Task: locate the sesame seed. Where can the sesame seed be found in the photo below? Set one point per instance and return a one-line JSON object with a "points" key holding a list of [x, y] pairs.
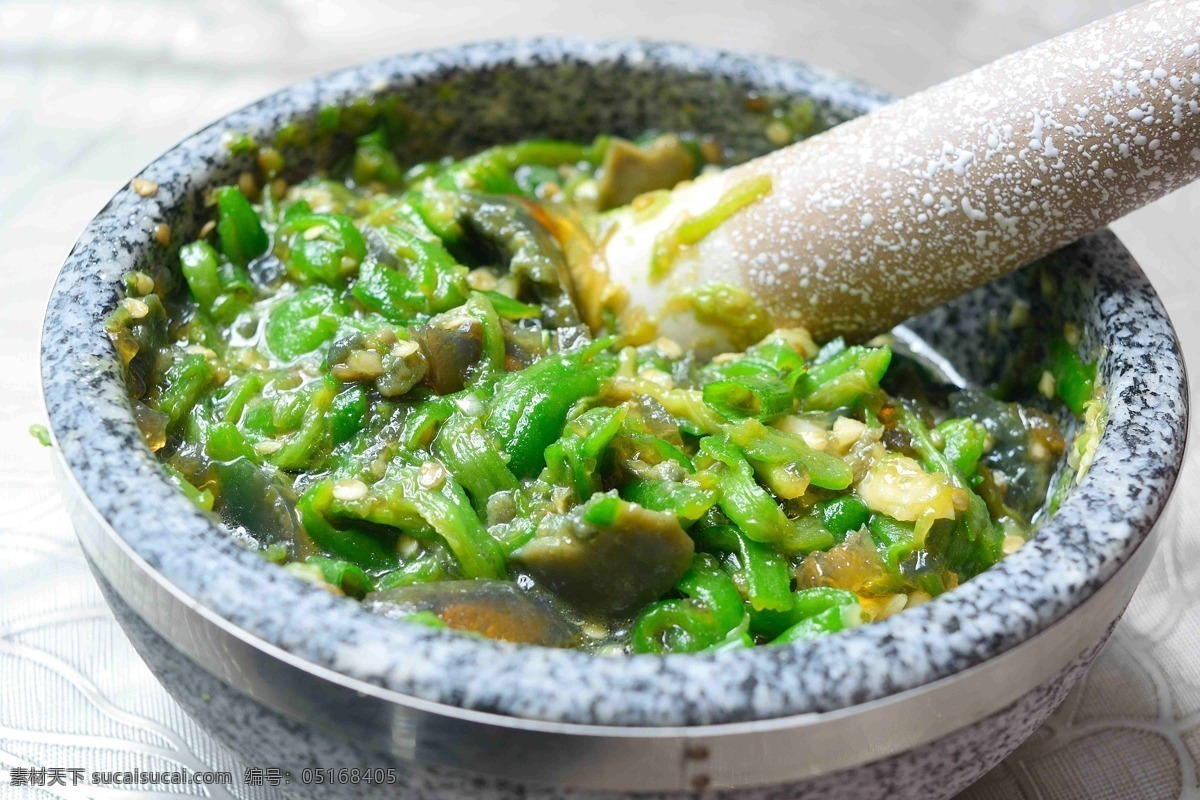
{"points": [[1047, 385], [594, 630], [162, 234], [136, 308], [457, 322], [1011, 544], [431, 475], [143, 283], [207, 228], [144, 187], [267, 446], [1018, 315], [366, 363], [247, 184], [349, 489], [1071, 334], [405, 348], [269, 160], [314, 232], [778, 133], [482, 279], [471, 406], [668, 347], [201, 350]]}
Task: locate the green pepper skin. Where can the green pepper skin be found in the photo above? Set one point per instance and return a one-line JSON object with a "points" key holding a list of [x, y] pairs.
{"points": [[238, 227], [705, 581], [674, 626], [447, 512], [321, 248], [805, 604], [221, 289], [764, 576], [530, 407], [189, 375], [346, 576], [347, 414], [374, 160], [965, 440], [975, 545], [349, 544], [841, 515], [470, 454], [762, 443], [575, 458], [304, 322], [760, 396], [1074, 379], [747, 504], [842, 380]]}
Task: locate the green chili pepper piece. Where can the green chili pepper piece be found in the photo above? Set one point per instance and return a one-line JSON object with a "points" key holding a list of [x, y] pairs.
{"points": [[511, 309], [964, 440], [896, 541], [674, 626], [745, 502], [322, 248], [844, 378], [221, 289], [348, 414], [310, 444], [804, 604], [472, 457], [185, 381], [428, 567], [389, 293], [769, 445], [374, 160], [764, 575], [449, 513], [304, 322], [707, 582], [530, 407], [843, 514], [822, 624], [808, 534], [574, 460], [424, 421], [356, 546], [203, 499], [763, 397], [238, 227], [976, 543], [1074, 379], [225, 442], [686, 501], [236, 395], [346, 576]]}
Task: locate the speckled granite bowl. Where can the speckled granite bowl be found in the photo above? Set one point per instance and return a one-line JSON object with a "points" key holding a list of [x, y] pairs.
{"points": [[290, 676]]}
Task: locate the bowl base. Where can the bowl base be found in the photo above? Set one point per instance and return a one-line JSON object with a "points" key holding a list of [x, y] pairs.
{"points": [[260, 737]]}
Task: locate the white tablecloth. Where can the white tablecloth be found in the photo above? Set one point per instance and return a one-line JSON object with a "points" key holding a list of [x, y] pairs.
{"points": [[90, 91]]}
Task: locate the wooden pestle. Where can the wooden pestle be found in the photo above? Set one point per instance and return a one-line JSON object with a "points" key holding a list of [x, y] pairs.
{"points": [[899, 210]]}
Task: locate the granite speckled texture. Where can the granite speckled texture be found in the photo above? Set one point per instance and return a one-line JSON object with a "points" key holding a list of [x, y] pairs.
{"points": [[624, 87]]}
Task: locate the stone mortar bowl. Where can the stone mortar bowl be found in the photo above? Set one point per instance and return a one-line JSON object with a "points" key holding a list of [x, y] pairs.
{"points": [[289, 676]]}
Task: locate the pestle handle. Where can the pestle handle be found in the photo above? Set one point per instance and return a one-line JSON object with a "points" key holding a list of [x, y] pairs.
{"points": [[897, 211]]}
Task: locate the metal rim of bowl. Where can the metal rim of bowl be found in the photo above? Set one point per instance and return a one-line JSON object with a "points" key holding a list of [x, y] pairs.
{"points": [[1096, 531]]}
